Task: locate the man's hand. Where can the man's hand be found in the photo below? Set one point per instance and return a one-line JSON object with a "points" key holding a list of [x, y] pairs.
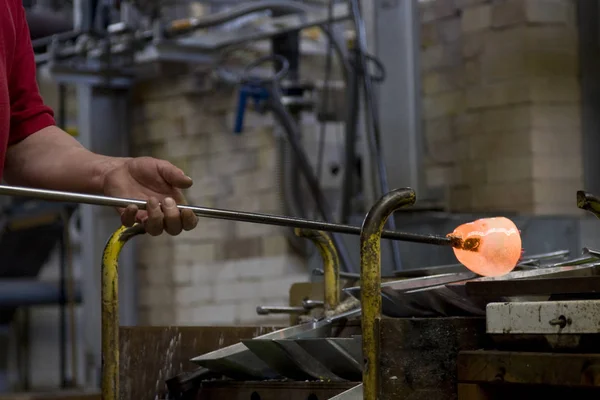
{"points": [[158, 181]]}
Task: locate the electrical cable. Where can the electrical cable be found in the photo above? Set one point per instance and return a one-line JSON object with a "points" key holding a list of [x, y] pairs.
{"points": [[328, 62]]}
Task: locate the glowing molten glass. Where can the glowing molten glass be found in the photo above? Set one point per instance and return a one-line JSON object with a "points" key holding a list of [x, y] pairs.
{"points": [[489, 247]]}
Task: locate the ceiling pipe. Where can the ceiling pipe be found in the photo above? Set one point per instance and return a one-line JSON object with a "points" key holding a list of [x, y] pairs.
{"points": [[47, 23]]}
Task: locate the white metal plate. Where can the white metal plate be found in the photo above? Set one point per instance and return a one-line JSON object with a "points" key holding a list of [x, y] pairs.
{"points": [[543, 317]]}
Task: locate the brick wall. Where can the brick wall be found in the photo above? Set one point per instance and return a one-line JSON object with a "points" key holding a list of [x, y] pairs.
{"points": [[501, 103], [220, 272]]}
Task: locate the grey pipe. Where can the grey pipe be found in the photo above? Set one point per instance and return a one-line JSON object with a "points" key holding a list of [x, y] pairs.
{"points": [[31, 292]]}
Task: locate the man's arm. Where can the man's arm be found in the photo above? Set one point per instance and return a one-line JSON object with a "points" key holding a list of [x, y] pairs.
{"points": [[53, 159], [40, 154]]}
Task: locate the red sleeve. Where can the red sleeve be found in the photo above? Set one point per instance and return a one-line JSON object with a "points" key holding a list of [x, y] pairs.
{"points": [[28, 113]]}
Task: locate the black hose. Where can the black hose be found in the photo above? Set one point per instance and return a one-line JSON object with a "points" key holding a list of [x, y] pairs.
{"points": [[291, 129]]}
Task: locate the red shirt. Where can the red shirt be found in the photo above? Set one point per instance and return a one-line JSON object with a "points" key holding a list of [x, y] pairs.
{"points": [[22, 110]]}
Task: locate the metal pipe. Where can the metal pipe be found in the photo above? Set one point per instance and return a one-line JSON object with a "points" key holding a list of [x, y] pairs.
{"points": [[110, 310], [331, 265], [257, 218], [266, 310], [370, 276], [588, 202]]}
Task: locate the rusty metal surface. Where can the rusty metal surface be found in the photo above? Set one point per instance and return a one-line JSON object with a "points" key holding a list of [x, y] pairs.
{"points": [[418, 356], [561, 369], [470, 391], [272, 390], [370, 277], [538, 286], [150, 355], [65, 395]]}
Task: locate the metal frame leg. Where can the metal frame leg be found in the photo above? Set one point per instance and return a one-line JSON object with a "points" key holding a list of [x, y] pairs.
{"points": [[370, 275], [331, 264], [110, 309]]}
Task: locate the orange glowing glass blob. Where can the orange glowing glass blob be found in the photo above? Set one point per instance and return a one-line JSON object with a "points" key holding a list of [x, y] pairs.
{"points": [[490, 246]]}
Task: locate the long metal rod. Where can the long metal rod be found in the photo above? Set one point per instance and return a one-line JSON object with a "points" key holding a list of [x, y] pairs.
{"points": [[257, 218]]}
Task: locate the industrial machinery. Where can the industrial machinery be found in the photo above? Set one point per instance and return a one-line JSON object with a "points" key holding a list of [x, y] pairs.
{"points": [[443, 333]]}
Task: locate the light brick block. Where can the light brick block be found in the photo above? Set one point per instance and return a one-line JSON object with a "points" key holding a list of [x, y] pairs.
{"points": [[250, 182], [275, 246], [469, 3], [182, 274], [507, 119], [557, 209], [556, 116], [558, 167], [503, 197], [449, 30], [157, 275], [508, 13], [469, 173], [222, 314], [554, 191], [187, 146], [280, 286], [187, 253], [497, 94], [443, 151], [267, 159], [476, 18], [547, 11], [237, 292], [468, 124], [460, 198], [203, 274], [209, 230], [211, 186], [508, 170], [155, 254], [432, 58], [264, 267], [472, 44], [503, 63], [435, 10], [472, 74], [443, 81], [444, 104], [194, 295], [438, 176], [554, 89], [551, 63], [556, 142], [440, 129], [233, 163], [552, 37], [164, 130]]}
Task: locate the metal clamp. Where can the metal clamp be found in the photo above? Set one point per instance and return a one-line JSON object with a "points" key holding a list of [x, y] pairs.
{"points": [[110, 309], [331, 264], [370, 276]]}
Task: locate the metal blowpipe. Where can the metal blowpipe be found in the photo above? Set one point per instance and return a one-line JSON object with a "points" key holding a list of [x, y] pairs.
{"points": [[265, 219]]}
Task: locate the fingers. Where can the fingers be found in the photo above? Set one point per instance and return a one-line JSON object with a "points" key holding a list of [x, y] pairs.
{"points": [[189, 220], [128, 215], [173, 219], [154, 222], [173, 175], [167, 217]]}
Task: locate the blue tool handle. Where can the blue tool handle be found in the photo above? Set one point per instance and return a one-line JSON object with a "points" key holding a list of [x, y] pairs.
{"points": [[241, 110]]}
